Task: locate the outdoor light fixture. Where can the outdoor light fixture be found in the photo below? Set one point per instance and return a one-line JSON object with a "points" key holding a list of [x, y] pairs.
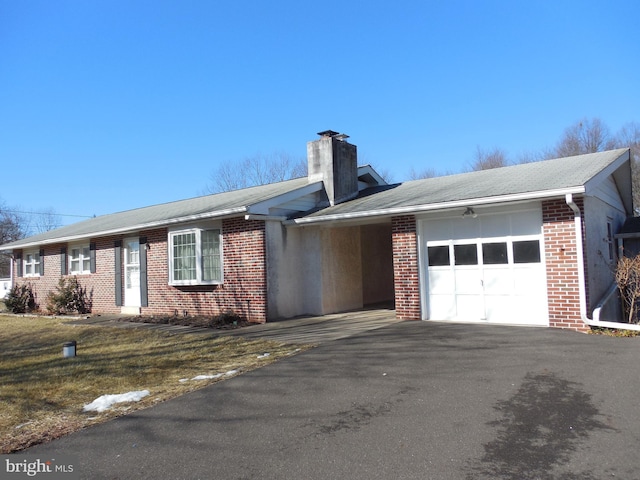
{"points": [[469, 213]]}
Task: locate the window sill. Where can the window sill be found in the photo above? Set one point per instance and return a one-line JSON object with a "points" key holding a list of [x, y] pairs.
{"points": [[194, 284]]}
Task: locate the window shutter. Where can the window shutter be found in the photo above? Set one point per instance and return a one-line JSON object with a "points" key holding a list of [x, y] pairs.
{"points": [[144, 297], [63, 261], [19, 264], [92, 257], [41, 266], [117, 253]]}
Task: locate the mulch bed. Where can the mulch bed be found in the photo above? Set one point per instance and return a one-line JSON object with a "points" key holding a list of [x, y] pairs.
{"points": [[219, 322]]}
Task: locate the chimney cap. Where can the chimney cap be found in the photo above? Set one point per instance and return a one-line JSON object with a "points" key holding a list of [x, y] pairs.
{"points": [[328, 133], [331, 133]]}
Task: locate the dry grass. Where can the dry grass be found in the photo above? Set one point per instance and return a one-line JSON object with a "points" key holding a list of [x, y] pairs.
{"points": [[42, 393]]}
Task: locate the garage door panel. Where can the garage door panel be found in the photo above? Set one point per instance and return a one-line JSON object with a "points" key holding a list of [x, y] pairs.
{"points": [[441, 282], [442, 307], [469, 308], [500, 309], [529, 281], [468, 281], [498, 281]]}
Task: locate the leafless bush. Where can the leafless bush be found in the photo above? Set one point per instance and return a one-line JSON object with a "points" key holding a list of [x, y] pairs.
{"points": [[628, 280]]}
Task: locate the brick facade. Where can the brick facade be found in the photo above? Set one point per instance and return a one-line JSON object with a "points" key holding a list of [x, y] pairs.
{"points": [[243, 290], [563, 287], [406, 274]]}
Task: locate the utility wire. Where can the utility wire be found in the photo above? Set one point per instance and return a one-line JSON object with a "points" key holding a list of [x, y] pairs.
{"points": [[48, 213]]}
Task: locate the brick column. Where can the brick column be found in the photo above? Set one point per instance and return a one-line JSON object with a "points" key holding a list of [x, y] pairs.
{"points": [[561, 258], [406, 275]]}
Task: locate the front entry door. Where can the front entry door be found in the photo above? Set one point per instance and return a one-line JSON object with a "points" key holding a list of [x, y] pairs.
{"points": [[132, 272]]}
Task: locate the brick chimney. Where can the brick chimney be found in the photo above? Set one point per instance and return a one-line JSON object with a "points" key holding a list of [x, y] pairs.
{"points": [[334, 161]]}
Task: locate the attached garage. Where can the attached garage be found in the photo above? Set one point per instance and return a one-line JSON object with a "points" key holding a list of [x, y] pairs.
{"points": [[484, 265]]}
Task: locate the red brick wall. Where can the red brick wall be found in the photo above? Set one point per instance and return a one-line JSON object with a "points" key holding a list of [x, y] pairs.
{"points": [[243, 290], [561, 257], [244, 268], [405, 267], [100, 285]]}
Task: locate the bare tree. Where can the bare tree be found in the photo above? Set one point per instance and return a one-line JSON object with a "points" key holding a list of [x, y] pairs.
{"points": [[421, 174], [486, 160], [256, 170], [45, 220], [11, 229], [585, 136]]}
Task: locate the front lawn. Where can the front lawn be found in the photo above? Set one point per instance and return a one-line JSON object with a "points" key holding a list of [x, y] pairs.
{"points": [[42, 394]]}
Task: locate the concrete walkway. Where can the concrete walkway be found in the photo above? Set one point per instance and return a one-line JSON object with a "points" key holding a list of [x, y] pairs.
{"points": [[308, 330]]}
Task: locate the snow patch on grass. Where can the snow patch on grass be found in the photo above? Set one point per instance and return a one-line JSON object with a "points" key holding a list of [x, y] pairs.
{"points": [[105, 402]]}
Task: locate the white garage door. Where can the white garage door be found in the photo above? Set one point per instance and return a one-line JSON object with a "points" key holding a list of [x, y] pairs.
{"points": [[485, 269]]}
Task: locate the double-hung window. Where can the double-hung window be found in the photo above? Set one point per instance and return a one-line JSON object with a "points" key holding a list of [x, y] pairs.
{"points": [[32, 264], [195, 257], [79, 259]]}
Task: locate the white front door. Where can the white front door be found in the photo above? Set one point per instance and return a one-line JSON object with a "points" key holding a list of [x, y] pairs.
{"points": [[131, 272]]}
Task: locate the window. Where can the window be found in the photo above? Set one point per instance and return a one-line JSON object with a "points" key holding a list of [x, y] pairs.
{"points": [[526, 251], [195, 257], [438, 256], [79, 259], [466, 254], [32, 264], [494, 253]]}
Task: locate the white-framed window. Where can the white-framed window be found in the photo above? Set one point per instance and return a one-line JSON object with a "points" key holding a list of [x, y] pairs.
{"points": [[31, 264], [195, 256], [79, 259]]}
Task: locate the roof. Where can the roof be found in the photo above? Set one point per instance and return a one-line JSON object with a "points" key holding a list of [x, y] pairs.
{"points": [[205, 207], [545, 179], [550, 178]]}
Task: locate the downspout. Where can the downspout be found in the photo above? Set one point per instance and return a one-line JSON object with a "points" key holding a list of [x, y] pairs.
{"points": [[595, 322]]}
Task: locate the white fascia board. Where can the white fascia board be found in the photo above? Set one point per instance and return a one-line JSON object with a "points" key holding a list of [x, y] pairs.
{"points": [[610, 170], [262, 208], [368, 169], [134, 228], [518, 197]]}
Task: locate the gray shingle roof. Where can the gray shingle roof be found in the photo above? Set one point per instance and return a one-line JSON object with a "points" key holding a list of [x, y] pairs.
{"points": [[543, 178], [526, 180], [209, 206]]}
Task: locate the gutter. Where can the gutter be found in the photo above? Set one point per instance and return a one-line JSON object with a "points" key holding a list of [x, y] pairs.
{"points": [[415, 209], [595, 321]]}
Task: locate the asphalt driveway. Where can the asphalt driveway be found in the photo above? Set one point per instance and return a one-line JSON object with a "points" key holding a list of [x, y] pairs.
{"points": [[412, 400]]}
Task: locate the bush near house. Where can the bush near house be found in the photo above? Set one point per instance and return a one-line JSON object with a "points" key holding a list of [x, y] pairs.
{"points": [[628, 280], [68, 297], [21, 299]]}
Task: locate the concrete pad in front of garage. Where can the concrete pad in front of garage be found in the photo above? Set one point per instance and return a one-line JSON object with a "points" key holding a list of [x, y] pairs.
{"points": [[319, 329], [412, 400]]}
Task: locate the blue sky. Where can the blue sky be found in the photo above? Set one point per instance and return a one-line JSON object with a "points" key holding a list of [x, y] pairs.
{"points": [[112, 105]]}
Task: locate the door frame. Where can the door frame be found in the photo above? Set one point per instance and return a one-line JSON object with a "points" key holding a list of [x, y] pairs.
{"points": [[132, 296]]}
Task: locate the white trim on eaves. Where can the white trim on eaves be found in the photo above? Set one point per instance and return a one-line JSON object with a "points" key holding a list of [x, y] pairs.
{"points": [[518, 197]]}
